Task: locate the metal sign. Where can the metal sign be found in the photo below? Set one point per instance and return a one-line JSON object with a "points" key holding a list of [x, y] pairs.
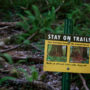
{"points": [[65, 53]]}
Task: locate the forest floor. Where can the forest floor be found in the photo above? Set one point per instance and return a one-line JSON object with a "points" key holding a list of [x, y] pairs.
{"points": [[21, 66]]}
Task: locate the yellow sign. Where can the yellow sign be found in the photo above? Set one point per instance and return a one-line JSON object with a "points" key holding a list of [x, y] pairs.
{"points": [[67, 54]]}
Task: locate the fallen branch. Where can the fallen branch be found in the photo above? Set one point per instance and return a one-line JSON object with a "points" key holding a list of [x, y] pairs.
{"points": [[8, 23], [47, 2], [58, 8], [34, 84], [4, 28], [84, 82], [36, 47], [7, 50], [29, 59], [29, 38]]}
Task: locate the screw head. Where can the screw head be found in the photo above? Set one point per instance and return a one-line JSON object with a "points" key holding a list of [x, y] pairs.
{"points": [[68, 68]]}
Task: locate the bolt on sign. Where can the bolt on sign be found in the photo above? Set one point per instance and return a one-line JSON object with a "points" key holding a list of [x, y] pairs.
{"points": [[65, 53]]}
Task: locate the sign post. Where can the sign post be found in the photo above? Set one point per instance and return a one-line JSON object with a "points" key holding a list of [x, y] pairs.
{"points": [[68, 29], [67, 53]]}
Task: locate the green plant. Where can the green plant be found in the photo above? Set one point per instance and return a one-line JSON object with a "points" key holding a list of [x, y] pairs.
{"points": [[34, 73], [8, 57], [22, 61], [81, 20], [6, 78], [33, 76], [58, 59], [16, 4], [37, 22]]}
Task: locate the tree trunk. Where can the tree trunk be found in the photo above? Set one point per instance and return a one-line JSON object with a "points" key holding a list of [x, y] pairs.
{"points": [[56, 50], [85, 55], [79, 54]]}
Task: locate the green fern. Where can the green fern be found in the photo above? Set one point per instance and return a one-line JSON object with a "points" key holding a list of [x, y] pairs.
{"points": [[34, 73], [33, 76], [36, 21], [6, 78], [8, 57]]}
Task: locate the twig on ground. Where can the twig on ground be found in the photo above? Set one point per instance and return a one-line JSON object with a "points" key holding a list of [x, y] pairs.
{"points": [[35, 84], [36, 47], [8, 23], [30, 59], [4, 28], [10, 49], [58, 8], [47, 2], [84, 82], [3, 51]]}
